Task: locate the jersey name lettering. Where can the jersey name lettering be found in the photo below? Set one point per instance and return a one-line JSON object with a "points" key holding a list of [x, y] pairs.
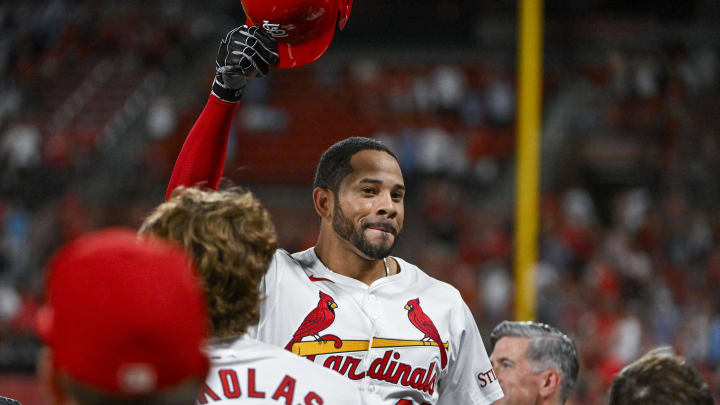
{"points": [[284, 392]]}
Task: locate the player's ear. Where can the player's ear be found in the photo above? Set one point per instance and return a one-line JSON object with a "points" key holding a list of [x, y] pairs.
{"points": [[49, 378], [324, 202], [550, 382]]}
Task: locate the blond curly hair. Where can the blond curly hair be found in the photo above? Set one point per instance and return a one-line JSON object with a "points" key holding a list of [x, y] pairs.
{"points": [[231, 238]]}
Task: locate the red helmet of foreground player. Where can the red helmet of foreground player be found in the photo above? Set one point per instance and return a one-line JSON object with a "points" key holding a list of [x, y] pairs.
{"points": [[303, 28]]}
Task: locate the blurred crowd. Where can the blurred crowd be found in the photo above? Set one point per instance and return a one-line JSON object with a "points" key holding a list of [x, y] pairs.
{"points": [[629, 225], [73, 75], [630, 228]]}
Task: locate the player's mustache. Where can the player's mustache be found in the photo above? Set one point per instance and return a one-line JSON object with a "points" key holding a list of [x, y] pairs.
{"points": [[383, 226]]}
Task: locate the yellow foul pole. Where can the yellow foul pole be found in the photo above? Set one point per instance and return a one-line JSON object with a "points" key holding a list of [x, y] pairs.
{"points": [[528, 155]]}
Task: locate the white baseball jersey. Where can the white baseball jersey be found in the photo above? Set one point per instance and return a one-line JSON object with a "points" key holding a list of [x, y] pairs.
{"points": [[246, 371], [407, 339]]}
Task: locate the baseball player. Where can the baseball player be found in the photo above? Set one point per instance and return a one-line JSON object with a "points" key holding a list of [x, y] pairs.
{"points": [[124, 323], [232, 241], [401, 336]]}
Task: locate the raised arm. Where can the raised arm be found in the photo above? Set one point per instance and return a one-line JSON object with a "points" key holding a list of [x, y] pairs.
{"points": [[244, 53]]}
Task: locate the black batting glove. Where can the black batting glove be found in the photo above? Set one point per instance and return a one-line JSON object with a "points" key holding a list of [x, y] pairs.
{"points": [[244, 53]]}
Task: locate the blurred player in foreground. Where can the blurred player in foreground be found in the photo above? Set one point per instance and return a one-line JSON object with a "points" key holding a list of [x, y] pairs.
{"points": [[400, 335], [232, 241], [124, 323], [535, 363], [660, 378]]}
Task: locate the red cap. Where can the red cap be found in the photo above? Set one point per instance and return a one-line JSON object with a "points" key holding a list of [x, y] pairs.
{"points": [[124, 316], [303, 28]]}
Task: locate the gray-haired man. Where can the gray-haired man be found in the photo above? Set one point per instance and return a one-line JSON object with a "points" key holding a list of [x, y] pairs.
{"points": [[536, 364]]}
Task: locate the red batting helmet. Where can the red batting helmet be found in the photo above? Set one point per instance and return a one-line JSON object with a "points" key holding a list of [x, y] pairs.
{"points": [[303, 28]]}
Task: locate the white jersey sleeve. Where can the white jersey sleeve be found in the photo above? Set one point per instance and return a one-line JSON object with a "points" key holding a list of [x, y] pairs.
{"points": [[470, 375], [246, 371]]}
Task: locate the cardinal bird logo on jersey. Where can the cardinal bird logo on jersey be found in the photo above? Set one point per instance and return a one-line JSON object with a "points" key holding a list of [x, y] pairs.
{"points": [[421, 321], [316, 321]]}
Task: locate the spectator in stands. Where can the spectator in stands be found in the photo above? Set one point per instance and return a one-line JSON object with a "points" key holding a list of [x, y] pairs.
{"points": [[124, 323], [660, 378], [536, 364]]}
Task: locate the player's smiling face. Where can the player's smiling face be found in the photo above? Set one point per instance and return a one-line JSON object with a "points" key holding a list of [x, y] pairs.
{"points": [[369, 208]]}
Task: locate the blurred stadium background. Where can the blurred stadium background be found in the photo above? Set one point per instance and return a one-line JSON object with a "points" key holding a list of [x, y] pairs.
{"points": [[97, 96]]}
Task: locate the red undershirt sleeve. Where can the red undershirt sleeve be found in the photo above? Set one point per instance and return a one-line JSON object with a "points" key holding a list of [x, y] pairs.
{"points": [[202, 158]]}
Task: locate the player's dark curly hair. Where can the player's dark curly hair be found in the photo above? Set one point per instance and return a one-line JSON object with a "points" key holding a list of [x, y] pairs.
{"points": [[334, 164], [660, 378], [232, 240]]}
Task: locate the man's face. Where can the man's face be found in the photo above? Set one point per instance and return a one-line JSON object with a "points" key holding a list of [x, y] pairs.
{"points": [[514, 372], [369, 209]]}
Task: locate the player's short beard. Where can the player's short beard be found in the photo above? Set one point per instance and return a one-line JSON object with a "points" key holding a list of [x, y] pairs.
{"points": [[345, 229]]}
